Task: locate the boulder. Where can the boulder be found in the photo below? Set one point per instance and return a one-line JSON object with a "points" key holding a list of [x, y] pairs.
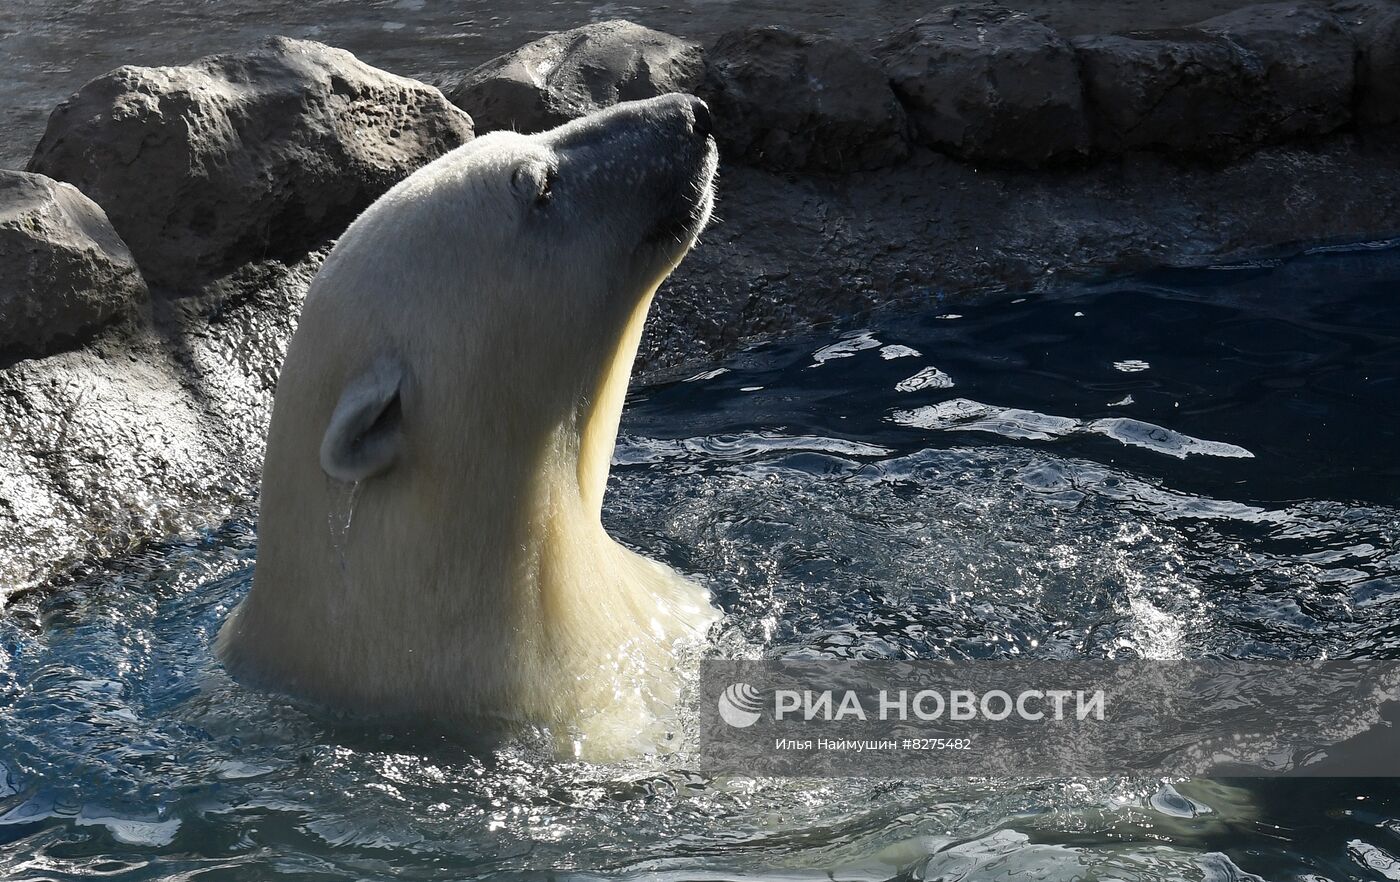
{"points": [[1305, 62], [243, 156], [788, 100], [1181, 91], [63, 270], [988, 84], [566, 75], [1375, 25]]}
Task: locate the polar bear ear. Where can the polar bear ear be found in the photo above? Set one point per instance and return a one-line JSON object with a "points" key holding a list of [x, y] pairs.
{"points": [[365, 434]]}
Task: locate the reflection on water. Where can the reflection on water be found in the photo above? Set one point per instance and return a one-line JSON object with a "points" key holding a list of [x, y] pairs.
{"points": [[988, 486]]}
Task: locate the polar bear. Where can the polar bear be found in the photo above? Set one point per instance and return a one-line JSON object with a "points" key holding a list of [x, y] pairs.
{"points": [[430, 538]]}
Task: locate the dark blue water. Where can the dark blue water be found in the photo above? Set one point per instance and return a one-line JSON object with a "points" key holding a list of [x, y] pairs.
{"points": [[1200, 463]]}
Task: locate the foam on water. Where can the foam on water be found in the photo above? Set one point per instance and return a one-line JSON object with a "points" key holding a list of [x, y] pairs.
{"points": [[973, 416]]}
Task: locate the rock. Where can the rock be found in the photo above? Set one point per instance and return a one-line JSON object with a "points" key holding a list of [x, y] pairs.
{"points": [[1262, 74], [1181, 90], [566, 75], [243, 156], [1305, 60], [1375, 25], [988, 84], [153, 428], [63, 270], [787, 100]]}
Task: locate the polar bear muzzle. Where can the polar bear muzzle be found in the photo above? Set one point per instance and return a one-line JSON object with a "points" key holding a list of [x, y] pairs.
{"points": [[667, 147]]}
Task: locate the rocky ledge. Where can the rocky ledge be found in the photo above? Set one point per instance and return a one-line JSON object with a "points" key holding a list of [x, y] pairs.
{"points": [[153, 257]]}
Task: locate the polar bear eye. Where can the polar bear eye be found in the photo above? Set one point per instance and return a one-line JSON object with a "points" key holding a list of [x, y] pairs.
{"points": [[533, 183]]}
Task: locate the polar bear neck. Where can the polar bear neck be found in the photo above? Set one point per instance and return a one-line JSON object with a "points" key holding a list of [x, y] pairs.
{"points": [[600, 625], [603, 409]]}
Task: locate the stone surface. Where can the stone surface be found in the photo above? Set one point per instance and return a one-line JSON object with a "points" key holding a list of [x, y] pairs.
{"points": [[1183, 91], [1304, 60], [1258, 75], [48, 56], [787, 100], [153, 428], [243, 156], [988, 84], [1375, 24], [571, 73], [63, 270]]}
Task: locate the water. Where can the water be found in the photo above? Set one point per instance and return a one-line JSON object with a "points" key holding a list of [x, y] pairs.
{"points": [[1193, 464]]}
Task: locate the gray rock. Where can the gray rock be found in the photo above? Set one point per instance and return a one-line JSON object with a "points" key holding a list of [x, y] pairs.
{"points": [[63, 270], [1375, 25], [1305, 60], [153, 427], [1182, 91], [243, 156], [787, 100], [988, 84], [1262, 74], [566, 75]]}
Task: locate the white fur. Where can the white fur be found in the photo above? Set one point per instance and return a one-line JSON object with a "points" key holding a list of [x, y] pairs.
{"points": [[472, 579]]}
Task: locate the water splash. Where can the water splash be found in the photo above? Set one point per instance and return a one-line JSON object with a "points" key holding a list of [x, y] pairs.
{"points": [[926, 378], [340, 515]]}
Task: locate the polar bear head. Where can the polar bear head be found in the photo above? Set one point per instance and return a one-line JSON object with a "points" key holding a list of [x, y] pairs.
{"points": [[430, 542]]}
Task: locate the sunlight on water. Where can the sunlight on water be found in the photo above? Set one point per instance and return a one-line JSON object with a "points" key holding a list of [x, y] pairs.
{"points": [[972, 416], [849, 504]]}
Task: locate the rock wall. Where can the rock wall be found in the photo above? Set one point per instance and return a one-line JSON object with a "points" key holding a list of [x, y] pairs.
{"points": [[975, 148], [981, 83]]}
